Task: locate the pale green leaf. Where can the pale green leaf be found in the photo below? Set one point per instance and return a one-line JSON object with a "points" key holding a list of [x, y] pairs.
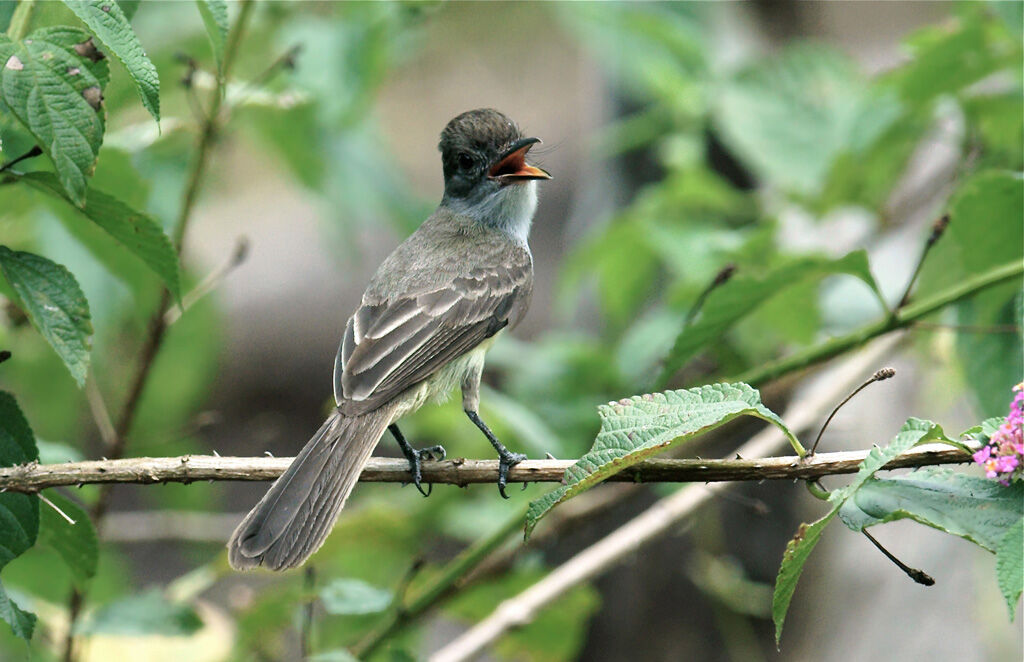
{"points": [[55, 304], [743, 294], [108, 22], [22, 622], [636, 428], [55, 89], [137, 232], [215, 18], [973, 508], [354, 596], [1010, 565], [149, 613], [914, 431], [76, 543]]}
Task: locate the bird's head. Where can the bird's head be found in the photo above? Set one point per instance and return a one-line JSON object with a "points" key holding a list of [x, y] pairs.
{"points": [[483, 152]]}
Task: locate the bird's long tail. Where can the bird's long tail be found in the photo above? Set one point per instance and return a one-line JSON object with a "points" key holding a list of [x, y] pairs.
{"points": [[298, 511]]}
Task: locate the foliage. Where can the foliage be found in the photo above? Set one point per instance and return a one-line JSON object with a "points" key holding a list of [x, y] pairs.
{"points": [[750, 162]]}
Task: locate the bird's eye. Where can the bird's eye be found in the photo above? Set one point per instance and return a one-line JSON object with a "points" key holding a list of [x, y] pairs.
{"points": [[465, 161]]}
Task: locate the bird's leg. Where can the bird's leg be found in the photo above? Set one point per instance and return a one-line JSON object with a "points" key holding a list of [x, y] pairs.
{"points": [[416, 457], [506, 458], [470, 404]]}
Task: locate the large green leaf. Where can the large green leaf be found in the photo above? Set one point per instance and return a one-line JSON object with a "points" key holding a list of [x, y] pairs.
{"points": [[22, 622], [798, 550], [1010, 565], [215, 18], [636, 428], [53, 83], [19, 513], [145, 614], [811, 105], [55, 304], [977, 509], [744, 294], [75, 543], [137, 232], [108, 22]]}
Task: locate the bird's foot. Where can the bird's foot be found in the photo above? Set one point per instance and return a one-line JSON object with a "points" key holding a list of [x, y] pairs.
{"points": [[506, 460], [416, 457]]}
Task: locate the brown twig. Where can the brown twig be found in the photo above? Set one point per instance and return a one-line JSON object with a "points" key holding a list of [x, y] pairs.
{"points": [[31, 478], [880, 375]]}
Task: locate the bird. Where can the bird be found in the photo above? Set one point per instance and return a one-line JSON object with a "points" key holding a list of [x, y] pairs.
{"points": [[423, 326]]}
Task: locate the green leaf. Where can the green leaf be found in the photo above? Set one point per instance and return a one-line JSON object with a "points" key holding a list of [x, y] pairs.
{"points": [[108, 22], [973, 508], [52, 85], [354, 596], [1010, 565], [914, 431], [137, 232], [812, 105], [75, 543], [6, 12], [743, 294], [215, 18], [22, 622], [19, 513], [55, 304], [145, 614], [636, 428]]}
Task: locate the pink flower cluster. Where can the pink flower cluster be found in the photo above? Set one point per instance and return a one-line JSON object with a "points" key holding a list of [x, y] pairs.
{"points": [[1003, 455]]}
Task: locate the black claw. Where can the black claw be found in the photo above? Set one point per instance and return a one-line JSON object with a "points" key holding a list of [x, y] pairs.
{"points": [[506, 461], [416, 457]]}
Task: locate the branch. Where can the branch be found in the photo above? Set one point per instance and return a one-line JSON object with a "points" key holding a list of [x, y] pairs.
{"points": [[31, 478], [902, 318], [813, 402]]}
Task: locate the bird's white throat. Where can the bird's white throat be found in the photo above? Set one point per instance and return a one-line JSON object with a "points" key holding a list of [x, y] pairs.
{"points": [[509, 209]]}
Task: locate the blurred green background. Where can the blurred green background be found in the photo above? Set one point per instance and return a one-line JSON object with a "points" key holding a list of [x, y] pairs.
{"points": [[682, 137]]}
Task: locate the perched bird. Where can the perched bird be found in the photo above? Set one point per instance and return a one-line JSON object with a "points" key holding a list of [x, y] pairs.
{"points": [[427, 318]]}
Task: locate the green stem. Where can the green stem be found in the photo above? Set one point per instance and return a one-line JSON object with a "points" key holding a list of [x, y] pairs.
{"points": [[903, 318], [21, 19], [440, 587]]}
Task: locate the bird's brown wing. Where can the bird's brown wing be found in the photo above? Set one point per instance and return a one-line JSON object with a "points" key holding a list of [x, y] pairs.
{"points": [[392, 345]]}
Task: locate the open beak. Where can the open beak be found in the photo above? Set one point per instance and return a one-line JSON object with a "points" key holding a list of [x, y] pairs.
{"points": [[512, 165]]}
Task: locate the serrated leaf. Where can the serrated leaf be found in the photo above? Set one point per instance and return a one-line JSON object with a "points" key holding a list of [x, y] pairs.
{"points": [[973, 508], [137, 232], [1010, 565], [215, 18], [149, 613], [914, 431], [54, 303], [742, 295], [108, 22], [354, 596], [636, 428], [75, 543], [19, 513], [55, 89], [22, 622]]}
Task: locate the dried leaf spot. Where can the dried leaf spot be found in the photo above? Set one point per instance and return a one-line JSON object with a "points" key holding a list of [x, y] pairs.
{"points": [[87, 49], [74, 71], [94, 96], [105, 8], [14, 64]]}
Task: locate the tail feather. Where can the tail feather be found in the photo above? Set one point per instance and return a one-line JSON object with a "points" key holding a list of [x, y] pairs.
{"points": [[294, 517]]}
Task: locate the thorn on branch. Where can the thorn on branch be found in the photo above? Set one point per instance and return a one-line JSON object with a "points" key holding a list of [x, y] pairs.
{"points": [[879, 376]]}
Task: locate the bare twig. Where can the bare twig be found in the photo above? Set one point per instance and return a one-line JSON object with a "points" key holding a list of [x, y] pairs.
{"points": [[919, 576], [663, 516], [880, 375], [721, 278], [35, 151], [938, 228], [31, 478], [210, 283]]}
